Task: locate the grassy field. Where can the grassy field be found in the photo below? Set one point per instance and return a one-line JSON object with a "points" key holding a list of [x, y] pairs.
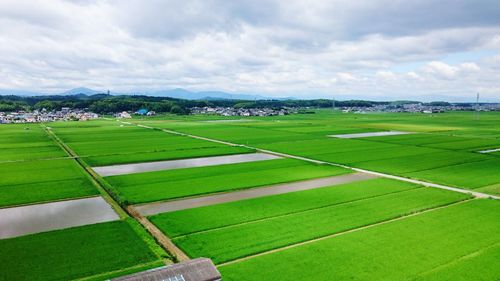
{"points": [[75, 253], [222, 215], [163, 185], [229, 243], [412, 248], [41, 181]]}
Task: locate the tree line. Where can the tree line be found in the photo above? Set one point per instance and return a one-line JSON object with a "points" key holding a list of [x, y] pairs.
{"points": [[104, 103]]}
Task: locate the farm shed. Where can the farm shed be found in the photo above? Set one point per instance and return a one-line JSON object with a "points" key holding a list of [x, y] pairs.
{"points": [[200, 269]]}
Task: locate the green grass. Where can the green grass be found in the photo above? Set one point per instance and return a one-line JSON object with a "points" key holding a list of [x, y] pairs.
{"points": [[221, 215], [74, 253], [41, 181], [162, 185], [229, 243], [399, 250]]}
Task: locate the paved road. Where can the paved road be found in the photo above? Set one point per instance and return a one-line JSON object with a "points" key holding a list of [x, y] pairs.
{"points": [[170, 206]]}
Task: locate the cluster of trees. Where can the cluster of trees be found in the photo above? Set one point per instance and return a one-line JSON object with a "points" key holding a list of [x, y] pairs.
{"points": [[103, 103]]}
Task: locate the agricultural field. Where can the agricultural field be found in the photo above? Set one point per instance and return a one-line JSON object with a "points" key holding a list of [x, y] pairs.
{"points": [[437, 245], [35, 170], [436, 143], [39, 181], [255, 222], [20, 142], [170, 184], [104, 142], [223, 244], [94, 252]]}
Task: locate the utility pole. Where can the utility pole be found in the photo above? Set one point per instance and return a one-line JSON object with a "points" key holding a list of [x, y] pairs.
{"points": [[477, 107]]}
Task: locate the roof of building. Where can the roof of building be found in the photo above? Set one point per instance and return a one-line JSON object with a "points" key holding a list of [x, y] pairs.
{"points": [[200, 269]]}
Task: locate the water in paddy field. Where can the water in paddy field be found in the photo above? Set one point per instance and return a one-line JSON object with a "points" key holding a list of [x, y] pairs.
{"points": [[179, 164], [18, 221], [370, 134]]}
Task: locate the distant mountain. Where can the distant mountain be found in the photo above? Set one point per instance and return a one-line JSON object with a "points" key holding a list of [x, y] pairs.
{"points": [[185, 94], [80, 91]]}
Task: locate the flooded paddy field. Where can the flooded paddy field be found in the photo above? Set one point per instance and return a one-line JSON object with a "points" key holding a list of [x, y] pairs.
{"points": [[370, 134], [19, 221], [179, 164]]}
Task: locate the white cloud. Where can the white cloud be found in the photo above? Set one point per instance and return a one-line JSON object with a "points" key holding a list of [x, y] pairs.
{"points": [[311, 48]]}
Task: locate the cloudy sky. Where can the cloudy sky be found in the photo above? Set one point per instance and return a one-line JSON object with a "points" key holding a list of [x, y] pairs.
{"points": [[374, 49]]}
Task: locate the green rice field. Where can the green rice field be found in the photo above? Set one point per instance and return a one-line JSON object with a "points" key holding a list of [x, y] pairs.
{"points": [[82, 252], [422, 247], [163, 185], [103, 142], [437, 142], [41, 181]]}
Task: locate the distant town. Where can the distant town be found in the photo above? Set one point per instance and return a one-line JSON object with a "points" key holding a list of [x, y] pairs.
{"points": [[65, 114], [36, 109]]}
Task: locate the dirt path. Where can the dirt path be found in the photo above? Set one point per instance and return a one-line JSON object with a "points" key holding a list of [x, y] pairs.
{"points": [[424, 183], [159, 236], [175, 205]]}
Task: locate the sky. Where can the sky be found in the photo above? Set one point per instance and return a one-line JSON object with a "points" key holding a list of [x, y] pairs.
{"points": [[370, 49]]}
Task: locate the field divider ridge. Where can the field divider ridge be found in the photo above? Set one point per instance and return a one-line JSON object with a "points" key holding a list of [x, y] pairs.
{"points": [[429, 184], [177, 253]]}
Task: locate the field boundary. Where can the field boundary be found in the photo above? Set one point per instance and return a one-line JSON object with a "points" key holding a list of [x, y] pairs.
{"points": [[176, 252], [429, 184], [344, 232]]}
